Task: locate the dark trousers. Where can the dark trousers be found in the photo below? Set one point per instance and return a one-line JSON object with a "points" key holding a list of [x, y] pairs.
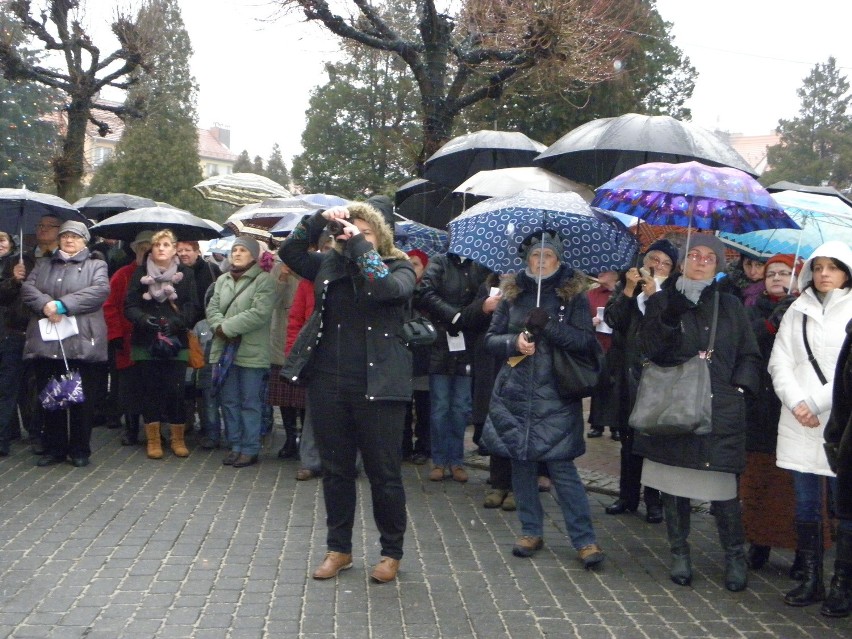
{"points": [[630, 482], [345, 423], [417, 415], [67, 432], [11, 369]]}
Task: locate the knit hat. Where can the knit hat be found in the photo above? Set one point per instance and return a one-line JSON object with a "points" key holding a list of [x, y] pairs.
{"points": [[248, 243], [542, 239], [665, 246], [142, 236], [77, 228], [710, 241], [424, 259], [786, 259]]}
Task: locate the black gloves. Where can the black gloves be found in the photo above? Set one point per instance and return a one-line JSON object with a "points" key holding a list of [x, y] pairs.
{"points": [[159, 324], [774, 319], [536, 320], [678, 304]]}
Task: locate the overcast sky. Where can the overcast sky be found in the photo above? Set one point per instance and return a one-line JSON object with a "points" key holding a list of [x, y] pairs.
{"points": [[255, 75]]}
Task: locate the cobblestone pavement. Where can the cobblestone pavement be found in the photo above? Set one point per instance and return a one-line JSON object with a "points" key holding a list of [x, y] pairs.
{"points": [[130, 547]]}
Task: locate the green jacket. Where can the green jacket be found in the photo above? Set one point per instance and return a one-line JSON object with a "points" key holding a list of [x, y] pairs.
{"points": [[247, 305]]}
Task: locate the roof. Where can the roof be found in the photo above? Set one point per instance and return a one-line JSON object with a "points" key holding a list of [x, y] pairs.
{"points": [[753, 148], [210, 147]]}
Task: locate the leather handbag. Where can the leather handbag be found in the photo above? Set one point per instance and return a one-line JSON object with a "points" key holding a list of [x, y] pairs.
{"points": [[677, 400], [196, 351], [418, 331], [577, 376]]}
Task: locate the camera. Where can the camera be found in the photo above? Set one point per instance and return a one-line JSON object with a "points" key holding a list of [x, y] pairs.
{"points": [[335, 227]]}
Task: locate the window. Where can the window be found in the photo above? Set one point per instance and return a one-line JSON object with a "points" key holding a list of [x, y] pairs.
{"points": [[101, 154]]}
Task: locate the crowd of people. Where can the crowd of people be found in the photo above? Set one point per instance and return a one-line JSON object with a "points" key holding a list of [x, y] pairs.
{"points": [[316, 330]]}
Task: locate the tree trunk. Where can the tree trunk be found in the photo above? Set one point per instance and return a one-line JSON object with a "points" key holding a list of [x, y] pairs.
{"points": [[68, 167]]}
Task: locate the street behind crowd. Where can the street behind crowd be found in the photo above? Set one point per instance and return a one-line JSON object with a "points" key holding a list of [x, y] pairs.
{"points": [[133, 548]]}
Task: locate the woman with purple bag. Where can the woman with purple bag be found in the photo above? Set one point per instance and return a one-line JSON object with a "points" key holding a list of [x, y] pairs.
{"points": [[67, 287]]}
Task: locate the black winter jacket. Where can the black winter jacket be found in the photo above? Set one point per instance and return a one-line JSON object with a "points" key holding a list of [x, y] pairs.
{"points": [[838, 430], [449, 288], [669, 339], [528, 420], [138, 310], [380, 294]]}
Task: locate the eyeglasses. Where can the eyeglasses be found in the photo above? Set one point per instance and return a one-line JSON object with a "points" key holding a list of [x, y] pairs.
{"points": [[658, 261], [48, 226], [770, 274], [710, 258]]}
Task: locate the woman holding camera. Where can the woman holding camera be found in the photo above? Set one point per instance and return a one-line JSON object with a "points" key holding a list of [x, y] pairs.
{"points": [[358, 373], [162, 304]]}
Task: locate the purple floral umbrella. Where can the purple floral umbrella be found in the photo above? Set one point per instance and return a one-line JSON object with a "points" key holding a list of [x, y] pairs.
{"points": [[692, 194]]}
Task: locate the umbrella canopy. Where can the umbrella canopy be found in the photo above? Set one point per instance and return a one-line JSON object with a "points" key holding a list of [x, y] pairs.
{"points": [[806, 188], [503, 182], [409, 235], [491, 232], [103, 205], [20, 210], [822, 218], [434, 207], [466, 155], [240, 188], [417, 185], [692, 194], [125, 226], [280, 215], [599, 150], [238, 228]]}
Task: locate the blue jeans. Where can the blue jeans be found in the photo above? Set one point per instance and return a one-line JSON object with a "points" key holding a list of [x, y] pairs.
{"points": [[11, 370], [570, 494], [450, 411], [810, 497], [241, 397], [211, 424]]}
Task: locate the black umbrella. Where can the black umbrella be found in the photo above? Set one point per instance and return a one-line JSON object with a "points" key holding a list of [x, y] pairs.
{"points": [[103, 205], [21, 209], [433, 208], [602, 149], [125, 226], [412, 187], [467, 155]]}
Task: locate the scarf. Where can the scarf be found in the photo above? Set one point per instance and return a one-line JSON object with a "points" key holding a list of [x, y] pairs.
{"points": [[692, 289], [534, 276], [161, 281], [237, 273]]}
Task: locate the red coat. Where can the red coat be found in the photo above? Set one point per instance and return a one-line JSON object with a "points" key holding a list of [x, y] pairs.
{"points": [[118, 326], [598, 297], [303, 306]]}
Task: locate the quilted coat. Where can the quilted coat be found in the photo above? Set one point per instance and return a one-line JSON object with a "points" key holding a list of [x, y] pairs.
{"points": [[528, 420]]}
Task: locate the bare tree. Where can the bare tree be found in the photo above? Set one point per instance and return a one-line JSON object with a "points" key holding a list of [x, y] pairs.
{"points": [[471, 55], [57, 28]]}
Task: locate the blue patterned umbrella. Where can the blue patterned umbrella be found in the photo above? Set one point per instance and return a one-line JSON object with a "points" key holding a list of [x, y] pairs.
{"points": [[491, 232], [693, 195], [408, 235], [822, 218]]}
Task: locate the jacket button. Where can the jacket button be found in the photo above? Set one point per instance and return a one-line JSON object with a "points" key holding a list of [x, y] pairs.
{"points": [[371, 363], [369, 328]]}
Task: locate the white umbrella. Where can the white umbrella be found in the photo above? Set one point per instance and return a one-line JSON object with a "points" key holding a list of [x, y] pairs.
{"points": [[505, 182], [240, 188]]}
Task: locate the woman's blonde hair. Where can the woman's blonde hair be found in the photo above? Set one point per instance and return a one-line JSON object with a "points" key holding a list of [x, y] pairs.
{"points": [[164, 234]]}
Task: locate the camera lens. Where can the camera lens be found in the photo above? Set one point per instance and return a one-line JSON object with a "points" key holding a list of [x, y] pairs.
{"points": [[335, 227]]}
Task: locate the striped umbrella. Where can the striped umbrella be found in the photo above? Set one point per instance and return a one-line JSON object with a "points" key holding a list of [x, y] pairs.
{"points": [[240, 188]]}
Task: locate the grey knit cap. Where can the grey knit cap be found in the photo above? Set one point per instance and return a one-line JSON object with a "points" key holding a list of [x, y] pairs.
{"points": [[710, 241], [248, 243]]}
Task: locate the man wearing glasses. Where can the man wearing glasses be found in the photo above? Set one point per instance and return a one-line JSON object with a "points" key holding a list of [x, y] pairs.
{"points": [[47, 236]]}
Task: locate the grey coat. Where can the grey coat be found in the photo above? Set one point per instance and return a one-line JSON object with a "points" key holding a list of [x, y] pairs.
{"points": [[82, 285]]}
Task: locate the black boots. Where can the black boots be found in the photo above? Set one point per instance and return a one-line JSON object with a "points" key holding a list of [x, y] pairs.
{"points": [[729, 522], [839, 600], [290, 449], [758, 556], [677, 511], [812, 588]]}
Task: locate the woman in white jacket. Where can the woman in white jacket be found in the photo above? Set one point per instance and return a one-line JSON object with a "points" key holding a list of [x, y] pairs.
{"points": [[804, 386]]}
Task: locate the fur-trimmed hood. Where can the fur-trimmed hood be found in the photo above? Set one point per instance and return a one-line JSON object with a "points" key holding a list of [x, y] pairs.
{"points": [[571, 283], [384, 234]]}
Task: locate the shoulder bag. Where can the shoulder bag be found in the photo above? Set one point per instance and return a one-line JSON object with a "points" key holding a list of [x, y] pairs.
{"points": [[417, 331], [811, 358], [577, 376], [677, 400]]}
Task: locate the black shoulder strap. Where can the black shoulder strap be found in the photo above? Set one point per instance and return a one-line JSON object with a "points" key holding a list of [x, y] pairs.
{"points": [[811, 357]]}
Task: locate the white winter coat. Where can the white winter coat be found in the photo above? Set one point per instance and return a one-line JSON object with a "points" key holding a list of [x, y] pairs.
{"points": [[793, 375]]}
